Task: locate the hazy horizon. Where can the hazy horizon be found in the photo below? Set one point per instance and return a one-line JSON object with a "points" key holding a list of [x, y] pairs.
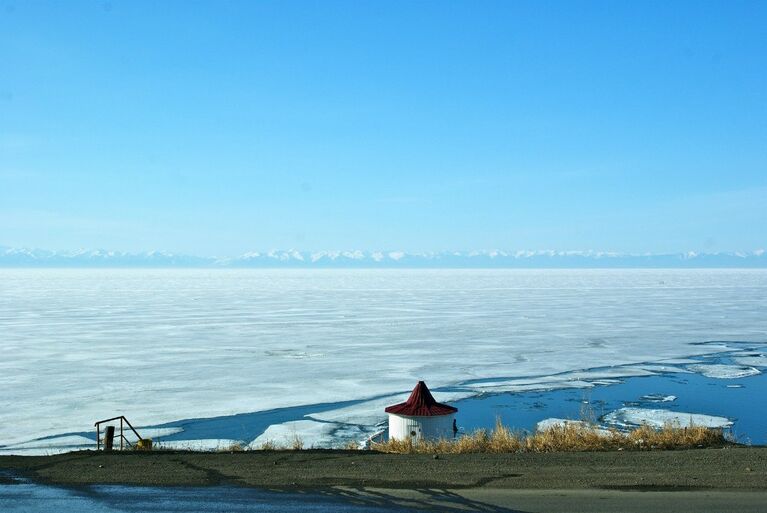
{"points": [[491, 259]]}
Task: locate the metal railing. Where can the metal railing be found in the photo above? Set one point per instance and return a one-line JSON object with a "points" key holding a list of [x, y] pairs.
{"points": [[376, 438], [123, 439]]}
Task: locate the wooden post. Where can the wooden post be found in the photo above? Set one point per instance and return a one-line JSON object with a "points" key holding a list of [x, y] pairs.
{"points": [[98, 437], [109, 438], [121, 434]]}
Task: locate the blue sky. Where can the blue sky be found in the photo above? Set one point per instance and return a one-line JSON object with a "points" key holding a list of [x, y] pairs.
{"points": [[221, 127]]}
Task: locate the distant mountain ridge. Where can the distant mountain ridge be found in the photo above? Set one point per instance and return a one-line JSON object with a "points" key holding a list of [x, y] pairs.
{"points": [[22, 257]]}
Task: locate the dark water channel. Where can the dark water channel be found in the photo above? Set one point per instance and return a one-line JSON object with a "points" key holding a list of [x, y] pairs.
{"points": [[742, 400]]}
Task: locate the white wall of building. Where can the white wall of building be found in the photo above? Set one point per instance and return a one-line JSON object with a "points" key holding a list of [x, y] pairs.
{"points": [[402, 427]]}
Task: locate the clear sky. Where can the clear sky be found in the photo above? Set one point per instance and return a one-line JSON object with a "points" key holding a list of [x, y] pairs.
{"points": [[219, 127]]}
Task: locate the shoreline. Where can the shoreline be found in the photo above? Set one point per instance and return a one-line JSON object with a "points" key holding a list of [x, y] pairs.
{"points": [[600, 384]]}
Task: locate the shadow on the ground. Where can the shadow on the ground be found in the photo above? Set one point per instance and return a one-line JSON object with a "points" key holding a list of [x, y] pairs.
{"points": [[231, 499], [435, 499]]}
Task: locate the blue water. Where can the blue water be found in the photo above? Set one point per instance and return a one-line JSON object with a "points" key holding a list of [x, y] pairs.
{"points": [[746, 405]]}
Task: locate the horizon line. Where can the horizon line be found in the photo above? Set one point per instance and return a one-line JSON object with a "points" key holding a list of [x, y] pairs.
{"points": [[358, 259]]}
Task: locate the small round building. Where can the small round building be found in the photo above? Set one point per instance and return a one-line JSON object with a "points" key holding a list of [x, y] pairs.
{"points": [[421, 417]]}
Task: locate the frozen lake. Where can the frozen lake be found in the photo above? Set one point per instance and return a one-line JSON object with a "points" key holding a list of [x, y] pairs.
{"points": [[318, 353]]}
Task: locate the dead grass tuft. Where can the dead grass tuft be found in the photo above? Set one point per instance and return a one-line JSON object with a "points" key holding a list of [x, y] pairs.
{"points": [[296, 443], [351, 445], [235, 447], [268, 445], [569, 437]]}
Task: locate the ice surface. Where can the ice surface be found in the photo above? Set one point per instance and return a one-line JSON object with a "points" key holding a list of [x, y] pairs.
{"points": [[165, 345], [64, 440], [628, 417], [309, 432], [370, 412], [145, 432], [65, 443], [664, 368], [312, 434], [678, 361], [157, 433], [724, 371], [577, 379], [658, 398], [207, 444], [754, 360], [555, 422], [54, 445]]}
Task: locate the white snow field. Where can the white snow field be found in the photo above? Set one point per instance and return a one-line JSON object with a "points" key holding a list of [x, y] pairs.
{"points": [[164, 345]]}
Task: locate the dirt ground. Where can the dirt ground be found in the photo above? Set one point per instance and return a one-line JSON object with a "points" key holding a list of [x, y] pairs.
{"points": [[732, 468]]}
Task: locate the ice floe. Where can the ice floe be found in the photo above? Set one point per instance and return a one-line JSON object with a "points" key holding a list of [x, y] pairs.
{"points": [[678, 361], [724, 371], [658, 398], [657, 418], [754, 360], [556, 422], [664, 369], [574, 379]]}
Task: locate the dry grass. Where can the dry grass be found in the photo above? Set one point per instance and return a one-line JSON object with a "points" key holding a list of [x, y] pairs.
{"points": [[570, 437], [268, 445], [351, 445], [296, 443], [143, 444], [293, 443], [235, 447], [671, 437]]}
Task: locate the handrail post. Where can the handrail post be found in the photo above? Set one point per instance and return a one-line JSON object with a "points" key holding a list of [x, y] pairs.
{"points": [[123, 440], [109, 438], [133, 429]]}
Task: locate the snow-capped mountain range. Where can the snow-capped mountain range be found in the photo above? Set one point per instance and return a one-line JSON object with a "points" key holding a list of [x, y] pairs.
{"points": [[22, 257]]}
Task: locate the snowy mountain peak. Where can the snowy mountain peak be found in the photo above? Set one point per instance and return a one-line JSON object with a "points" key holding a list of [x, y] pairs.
{"points": [[495, 258]]}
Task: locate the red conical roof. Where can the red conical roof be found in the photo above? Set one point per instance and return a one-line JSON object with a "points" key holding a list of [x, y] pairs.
{"points": [[421, 404]]}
